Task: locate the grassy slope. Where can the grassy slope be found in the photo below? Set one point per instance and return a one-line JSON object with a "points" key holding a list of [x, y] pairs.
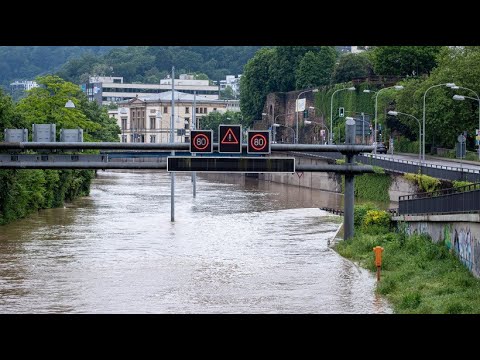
{"points": [[418, 276]]}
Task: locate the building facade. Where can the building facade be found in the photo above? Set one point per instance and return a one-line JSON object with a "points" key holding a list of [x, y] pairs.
{"points": [[233, 82], [107, 90], [147, 119]]}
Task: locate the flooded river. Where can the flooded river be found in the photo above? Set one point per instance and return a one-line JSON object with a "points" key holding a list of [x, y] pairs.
{"points": [[240, 246]]}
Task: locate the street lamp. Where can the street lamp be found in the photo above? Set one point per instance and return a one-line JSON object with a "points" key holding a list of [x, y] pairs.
{"points": [[352, 88], [288, 127], [275, 126], [462, 98], [396, 113], [159, 118], [70, 104], [396, 87], [450, 85], [308, 122], [296, 111], [362, 120]]}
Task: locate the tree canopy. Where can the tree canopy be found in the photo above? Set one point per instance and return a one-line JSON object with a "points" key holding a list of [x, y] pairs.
{"points": [[351, 66], [150, 64], [46, 105], [315, 68], [404, 60]]}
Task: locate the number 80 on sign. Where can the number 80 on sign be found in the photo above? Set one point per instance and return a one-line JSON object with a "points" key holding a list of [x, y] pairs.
{"points": [[258, 142], [201, 141]]}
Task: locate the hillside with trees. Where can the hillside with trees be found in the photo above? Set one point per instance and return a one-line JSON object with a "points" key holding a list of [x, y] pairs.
{"points": [[149, 64], [28, 62]]}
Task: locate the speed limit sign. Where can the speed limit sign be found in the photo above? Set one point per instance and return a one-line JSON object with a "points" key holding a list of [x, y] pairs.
{"points": [[201, 141], [258, 142]]}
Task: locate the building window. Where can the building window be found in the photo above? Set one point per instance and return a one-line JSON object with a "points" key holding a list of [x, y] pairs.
{"points": [[152, 138], [196, 110], [152, 122], [131, 138], [165, 109], [187, 110], [187, 123], [204, 110], [124, 138], [124, 123]]}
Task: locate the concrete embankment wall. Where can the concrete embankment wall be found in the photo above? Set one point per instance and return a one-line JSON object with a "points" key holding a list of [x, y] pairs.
{"points": [[332, 181], [460, 234]]}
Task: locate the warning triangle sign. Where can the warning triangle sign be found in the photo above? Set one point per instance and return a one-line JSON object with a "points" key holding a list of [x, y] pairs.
{"points": [[229, 137]]}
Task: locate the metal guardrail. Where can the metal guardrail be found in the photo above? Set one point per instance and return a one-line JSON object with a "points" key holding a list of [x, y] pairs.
{"points": [[449, 173], [464, 199]]}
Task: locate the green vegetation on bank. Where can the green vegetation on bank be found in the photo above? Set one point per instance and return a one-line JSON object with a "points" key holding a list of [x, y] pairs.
{"points": [[372, 187], [418, 276], [424, 182], [25, 191]]}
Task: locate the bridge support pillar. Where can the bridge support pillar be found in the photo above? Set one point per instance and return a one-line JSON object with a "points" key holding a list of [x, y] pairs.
{"points": [[349, 196]]}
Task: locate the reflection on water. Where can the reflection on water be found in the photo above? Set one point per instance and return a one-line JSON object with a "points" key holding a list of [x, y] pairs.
{"points": [[240, 246]]}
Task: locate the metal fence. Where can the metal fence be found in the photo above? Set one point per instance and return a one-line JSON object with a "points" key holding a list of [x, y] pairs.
{"points": [[455, 200], [437, 171], [449, 173]]}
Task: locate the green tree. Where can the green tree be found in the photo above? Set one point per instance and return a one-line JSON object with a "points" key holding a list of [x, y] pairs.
{"points": [[315, 68], [285, 63], [8, 116], [213, 119], [201, 76], [405, 60], [255, 83], [227, 93], [446, 118], [351, 66], [46, 105]]}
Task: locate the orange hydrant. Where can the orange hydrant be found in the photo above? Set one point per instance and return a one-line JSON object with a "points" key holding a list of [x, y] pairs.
{"points": [[378, 259]]}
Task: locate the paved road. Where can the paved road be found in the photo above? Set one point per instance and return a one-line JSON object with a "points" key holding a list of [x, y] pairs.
{"points": [[465, 164]]}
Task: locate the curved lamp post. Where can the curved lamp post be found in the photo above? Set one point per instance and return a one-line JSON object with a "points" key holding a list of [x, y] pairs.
{"points": [[450, 85], [396, 113], [462, 98], [396, 87], [274, 135], [308, 122], [296, 111], [352, 88], [288, 127]]}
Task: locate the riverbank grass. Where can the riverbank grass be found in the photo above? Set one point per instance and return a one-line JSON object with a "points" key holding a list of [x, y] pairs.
{"points": [[417, 275]]}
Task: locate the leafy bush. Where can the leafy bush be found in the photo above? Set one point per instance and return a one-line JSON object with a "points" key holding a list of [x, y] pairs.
{"points": [[425, 183], [376, 217], [359, 213]]}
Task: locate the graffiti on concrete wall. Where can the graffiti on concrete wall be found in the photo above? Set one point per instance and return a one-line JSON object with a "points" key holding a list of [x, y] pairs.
{"points": [[457, 237], [447, 230], [463, 246], [476, 257]]}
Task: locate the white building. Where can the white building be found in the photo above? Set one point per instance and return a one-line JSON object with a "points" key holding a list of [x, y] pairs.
{"points": [[106, 90], [23, 85], [147, 119], [233, 82]]}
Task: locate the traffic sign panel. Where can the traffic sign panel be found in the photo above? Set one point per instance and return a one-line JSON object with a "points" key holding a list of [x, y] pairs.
{"points": [[258, 142], [201, 141], [230, 164], [230, 138]]}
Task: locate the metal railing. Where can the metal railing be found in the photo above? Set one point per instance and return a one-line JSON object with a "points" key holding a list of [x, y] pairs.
{"points": [[465, 199], [449, 173]]}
